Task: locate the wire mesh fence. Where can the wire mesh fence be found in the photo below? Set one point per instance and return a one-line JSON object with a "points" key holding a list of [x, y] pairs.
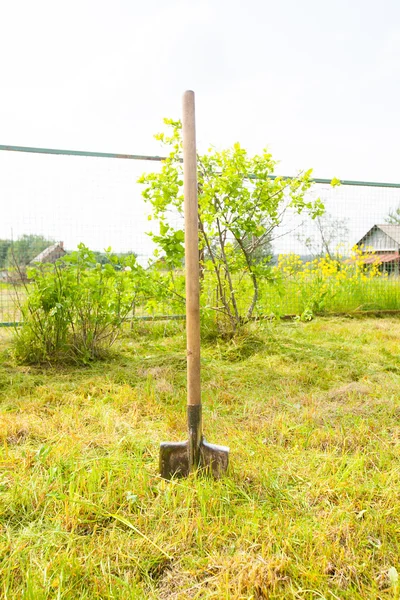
{"points": [[51, 203]]}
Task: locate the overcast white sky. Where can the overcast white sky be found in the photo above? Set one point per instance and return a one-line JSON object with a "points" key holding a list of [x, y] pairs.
{"points": [[318, 82]]}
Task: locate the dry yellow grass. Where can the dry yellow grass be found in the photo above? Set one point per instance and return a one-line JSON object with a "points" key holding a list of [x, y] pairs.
{"points": [[310, 507]]}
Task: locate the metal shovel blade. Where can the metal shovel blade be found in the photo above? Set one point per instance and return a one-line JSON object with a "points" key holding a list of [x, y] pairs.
{"points": [[174, 459]]}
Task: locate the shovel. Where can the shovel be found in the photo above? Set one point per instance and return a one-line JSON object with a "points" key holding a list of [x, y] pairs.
{"points": [[181, 458]]}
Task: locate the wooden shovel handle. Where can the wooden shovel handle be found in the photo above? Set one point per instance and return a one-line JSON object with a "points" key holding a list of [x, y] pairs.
{"points": [[191, 250]]}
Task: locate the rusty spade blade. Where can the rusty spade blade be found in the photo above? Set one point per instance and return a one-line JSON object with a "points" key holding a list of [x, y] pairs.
{"points": [[174, 459], [180, 458]]}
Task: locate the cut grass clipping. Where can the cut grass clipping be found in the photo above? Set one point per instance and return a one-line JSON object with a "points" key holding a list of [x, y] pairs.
{"points": [[309, 509]]}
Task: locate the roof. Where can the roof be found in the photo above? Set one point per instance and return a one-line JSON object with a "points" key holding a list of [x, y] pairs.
{"points": [[393, 231], [381, 258], [46, 254]]}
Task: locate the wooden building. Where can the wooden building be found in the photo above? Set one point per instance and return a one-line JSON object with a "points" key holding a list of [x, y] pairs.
{"points": [[50, 254], [384, 241]]}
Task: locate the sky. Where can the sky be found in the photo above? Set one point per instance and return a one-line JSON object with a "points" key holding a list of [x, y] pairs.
{"points": [[316, 82]]}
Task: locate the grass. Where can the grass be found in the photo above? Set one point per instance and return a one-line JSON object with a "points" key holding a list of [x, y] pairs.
{"points": [[9, 311], [294, 297], [309, 509]]}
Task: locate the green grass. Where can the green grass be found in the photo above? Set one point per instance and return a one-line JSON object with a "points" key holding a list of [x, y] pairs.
{"points": [[309, 509], [9, 311], [294, 297]]}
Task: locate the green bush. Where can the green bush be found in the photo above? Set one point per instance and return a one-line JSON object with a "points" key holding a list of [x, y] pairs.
{"points": [[241, 203], [75, 308]]}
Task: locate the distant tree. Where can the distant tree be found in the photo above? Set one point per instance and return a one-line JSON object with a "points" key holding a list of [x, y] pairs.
{"points": [[259, 249], [126, 254], [393, 217], [23, 250], [330, 233], [4, 247], [103, 257]]}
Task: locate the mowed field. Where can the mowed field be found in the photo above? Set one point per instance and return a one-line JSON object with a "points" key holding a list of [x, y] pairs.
{"points": [[310, 508]]}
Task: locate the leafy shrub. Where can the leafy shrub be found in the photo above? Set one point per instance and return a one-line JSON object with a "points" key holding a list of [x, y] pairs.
{"points": [[241, 203], [74, 309]]}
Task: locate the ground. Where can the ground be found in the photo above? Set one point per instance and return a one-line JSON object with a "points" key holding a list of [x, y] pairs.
{"points": [[309, 509]]}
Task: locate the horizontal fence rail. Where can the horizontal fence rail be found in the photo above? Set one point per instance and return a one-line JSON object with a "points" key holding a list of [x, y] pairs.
{"points": [[89, 154]]}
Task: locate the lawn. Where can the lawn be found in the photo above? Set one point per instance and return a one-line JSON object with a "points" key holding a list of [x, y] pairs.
{"points": [[309, 509]]}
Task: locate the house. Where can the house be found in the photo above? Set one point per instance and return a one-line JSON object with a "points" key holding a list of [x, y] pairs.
{"points": [[50, 254], [18, 274], [384, 242]]}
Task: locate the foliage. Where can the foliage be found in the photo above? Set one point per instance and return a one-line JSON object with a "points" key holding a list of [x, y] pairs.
{"points": [[103, 257], [317, 282], [239, 207], [393, 217], [308, 510], [75, 308], [22, 251], [4, 247]]}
